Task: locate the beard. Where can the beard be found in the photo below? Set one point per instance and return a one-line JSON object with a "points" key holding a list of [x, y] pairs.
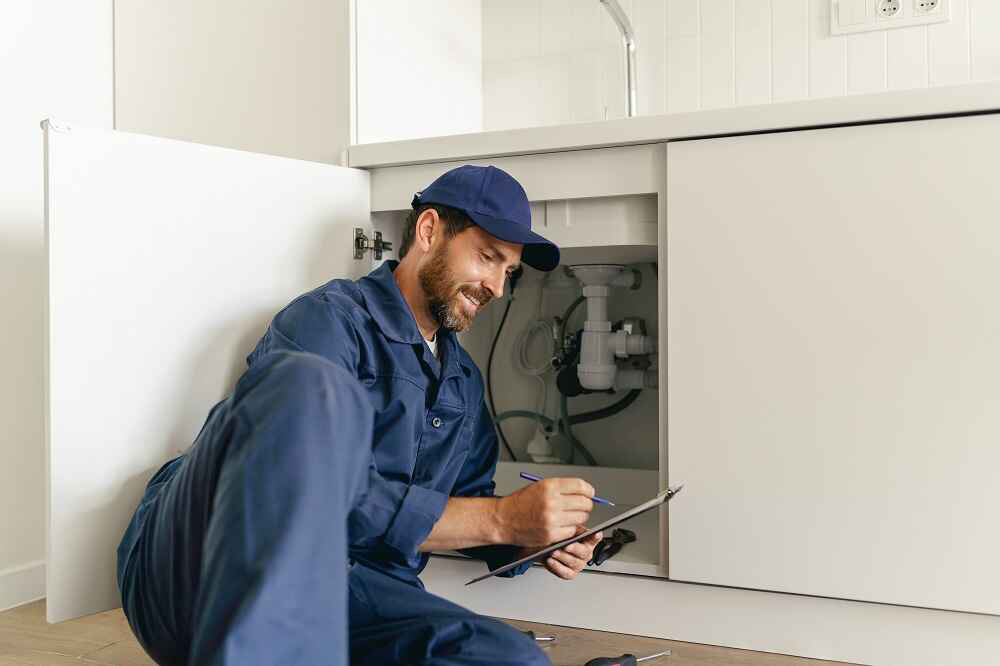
{"points": [[445, 296]]}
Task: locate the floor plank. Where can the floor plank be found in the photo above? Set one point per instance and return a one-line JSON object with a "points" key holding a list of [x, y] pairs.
{"points": [[123, 653], [104, 639], [575, 647], [17, 639], [96, 631], [40, 658]]}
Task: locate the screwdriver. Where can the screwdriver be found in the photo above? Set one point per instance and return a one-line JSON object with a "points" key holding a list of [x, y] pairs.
{"points": [[624, 660], [544, 639]]}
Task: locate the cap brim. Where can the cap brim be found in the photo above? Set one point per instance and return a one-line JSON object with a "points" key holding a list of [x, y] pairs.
{"points": [[539, 253]]}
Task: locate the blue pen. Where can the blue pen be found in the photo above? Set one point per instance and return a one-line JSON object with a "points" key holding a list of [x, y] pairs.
{"points": [[599, 500]]}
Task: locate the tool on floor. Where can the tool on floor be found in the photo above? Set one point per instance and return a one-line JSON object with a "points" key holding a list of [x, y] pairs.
{"points": [[623, 660], [540, 639]]}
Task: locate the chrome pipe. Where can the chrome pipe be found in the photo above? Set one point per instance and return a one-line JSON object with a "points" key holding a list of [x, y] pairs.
{"points": [[628, 41]]}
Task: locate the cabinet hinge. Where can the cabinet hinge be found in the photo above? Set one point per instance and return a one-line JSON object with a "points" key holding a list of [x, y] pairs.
{"points": [[362, 243]]}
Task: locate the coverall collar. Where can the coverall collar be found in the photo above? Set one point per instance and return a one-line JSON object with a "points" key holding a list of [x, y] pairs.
{"points": [[392, 314]]}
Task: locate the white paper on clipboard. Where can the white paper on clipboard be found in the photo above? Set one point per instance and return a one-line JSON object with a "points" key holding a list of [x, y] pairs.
{"points": [[662, 498]]}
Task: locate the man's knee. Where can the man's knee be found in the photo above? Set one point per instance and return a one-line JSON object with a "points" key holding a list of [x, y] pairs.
{"points": [[307, 391], [300, 413], [303, 373]]}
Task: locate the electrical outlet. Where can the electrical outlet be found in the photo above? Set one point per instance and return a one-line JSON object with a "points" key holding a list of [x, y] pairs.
{"points": [[850, 16], [889, 9]]}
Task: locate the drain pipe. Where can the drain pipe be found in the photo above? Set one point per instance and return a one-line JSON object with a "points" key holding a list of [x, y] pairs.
{"points": [[628, 40], [599, 345]]}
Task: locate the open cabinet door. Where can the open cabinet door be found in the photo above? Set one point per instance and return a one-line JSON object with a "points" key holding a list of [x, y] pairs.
{"points": [[166, 260]]}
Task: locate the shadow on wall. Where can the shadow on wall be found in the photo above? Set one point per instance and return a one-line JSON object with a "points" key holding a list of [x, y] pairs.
{"points": [[318, 268], [21, 384], [111, 531], [235, 339], [22, 266]]}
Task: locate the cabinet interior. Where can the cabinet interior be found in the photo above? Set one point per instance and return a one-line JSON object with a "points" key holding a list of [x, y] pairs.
{"points": [[619, 230]]}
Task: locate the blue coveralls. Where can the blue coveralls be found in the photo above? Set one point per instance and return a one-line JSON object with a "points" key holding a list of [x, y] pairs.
{"points": [[290, 528]]}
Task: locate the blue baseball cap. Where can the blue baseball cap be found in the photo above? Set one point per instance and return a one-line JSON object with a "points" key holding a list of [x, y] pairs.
{"points": [[496, 203]]}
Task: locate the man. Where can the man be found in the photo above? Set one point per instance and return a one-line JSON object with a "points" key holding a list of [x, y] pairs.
{"points": [[357, 437]]}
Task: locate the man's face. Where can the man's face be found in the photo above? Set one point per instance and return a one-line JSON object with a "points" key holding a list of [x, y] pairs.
{"points": [[464, 273]]}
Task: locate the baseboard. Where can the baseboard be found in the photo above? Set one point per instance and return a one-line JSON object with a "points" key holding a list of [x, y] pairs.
{"points": [[838, 630], [21, 585]]}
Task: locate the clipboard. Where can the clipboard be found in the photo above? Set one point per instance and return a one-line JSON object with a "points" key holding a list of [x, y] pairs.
{"points": [[662, 498]]}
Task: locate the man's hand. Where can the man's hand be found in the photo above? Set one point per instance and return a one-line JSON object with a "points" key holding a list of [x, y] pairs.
{"points": [[545, 512], [569, 561]]}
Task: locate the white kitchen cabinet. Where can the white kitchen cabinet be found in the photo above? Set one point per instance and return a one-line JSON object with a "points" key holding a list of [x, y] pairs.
{"points": [[166, 260], [784, 259], [833, 362]]}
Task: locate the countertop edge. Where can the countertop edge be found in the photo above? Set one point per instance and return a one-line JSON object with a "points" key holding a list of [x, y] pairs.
{"points": [[803, 114]]}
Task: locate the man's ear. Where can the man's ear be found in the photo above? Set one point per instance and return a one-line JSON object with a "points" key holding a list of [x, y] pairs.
{"points": [[427, 228]]}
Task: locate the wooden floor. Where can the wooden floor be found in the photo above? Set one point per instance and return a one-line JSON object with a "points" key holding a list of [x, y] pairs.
{"points": [[105, 638]]}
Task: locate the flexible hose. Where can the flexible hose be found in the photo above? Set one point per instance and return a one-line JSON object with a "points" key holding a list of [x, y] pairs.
{"points": [[521, 362], [566, 421], [547, 422], [605, 412], [574, 419], [569, 312], [564, 426], [526, 414], [521, 348], [489, 378], [568, 431]]}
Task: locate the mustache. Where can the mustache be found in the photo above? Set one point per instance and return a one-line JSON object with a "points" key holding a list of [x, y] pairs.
{"points": [[482, 296]]}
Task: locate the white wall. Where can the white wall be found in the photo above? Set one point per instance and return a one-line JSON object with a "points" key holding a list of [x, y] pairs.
{"points": [[254, 75], [555, 61], [419, 68], [268, 77], [699, 54], [55, 61]]}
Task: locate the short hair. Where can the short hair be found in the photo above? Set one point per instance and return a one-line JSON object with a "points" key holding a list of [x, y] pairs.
{"points": [[455, 222]]}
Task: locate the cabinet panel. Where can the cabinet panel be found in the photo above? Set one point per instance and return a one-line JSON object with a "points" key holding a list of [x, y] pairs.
{"points": [[166, 260], [605, 172], [832, 362]]}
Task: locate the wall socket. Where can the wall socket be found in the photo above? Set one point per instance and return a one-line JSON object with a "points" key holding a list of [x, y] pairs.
{"points": [[888, 9], [847, 16], [925, 6]]}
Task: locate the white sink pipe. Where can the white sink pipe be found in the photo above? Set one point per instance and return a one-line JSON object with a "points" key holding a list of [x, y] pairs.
{"points": [[600, 347], [628, 379]]}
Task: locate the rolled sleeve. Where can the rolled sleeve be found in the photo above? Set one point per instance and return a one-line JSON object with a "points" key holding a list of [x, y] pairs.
{"points": [[393, 518], [412, 523]]}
